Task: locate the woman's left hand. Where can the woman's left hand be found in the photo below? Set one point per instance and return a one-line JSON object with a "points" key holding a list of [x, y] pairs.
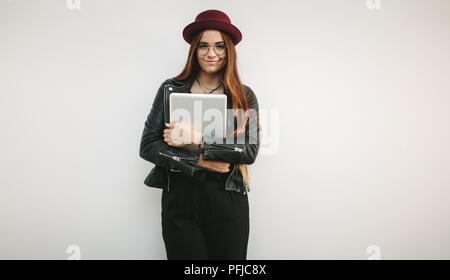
{"points": [[180, 135]]}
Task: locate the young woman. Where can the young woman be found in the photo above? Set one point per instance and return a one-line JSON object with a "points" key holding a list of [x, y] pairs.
{"points": [[205, 211]]}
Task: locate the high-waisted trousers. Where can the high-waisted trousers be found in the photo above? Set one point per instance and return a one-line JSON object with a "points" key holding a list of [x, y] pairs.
{"points": [[201, 220]]}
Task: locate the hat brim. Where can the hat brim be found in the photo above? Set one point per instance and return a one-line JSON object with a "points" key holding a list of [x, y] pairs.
{"points": [[191, 29]]}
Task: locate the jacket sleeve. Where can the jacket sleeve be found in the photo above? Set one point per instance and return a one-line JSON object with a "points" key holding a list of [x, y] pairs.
{"points": [[237, 151], [155, 150]]}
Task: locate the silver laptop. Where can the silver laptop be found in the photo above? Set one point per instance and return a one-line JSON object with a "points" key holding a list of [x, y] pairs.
{"points": [[203, 112]]}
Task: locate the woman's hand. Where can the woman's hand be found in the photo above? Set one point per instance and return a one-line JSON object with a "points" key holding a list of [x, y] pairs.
{"points": [[180, 135], [217, 166]]}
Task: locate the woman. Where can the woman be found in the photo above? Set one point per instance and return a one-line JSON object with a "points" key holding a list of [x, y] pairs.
{"points": [[205, 212]]}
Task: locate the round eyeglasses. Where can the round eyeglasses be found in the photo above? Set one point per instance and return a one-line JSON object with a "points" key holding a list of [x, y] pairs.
{"points": [[219, 49]]}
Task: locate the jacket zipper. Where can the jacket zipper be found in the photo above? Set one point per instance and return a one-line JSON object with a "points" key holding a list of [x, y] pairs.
{"points": [[179, 158], [219, 151], [205, 152], [227, 147], [168, 172], [229, 176]]}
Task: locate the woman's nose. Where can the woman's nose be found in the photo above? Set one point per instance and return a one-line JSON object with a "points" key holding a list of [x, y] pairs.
{"points": [[211, 52]]}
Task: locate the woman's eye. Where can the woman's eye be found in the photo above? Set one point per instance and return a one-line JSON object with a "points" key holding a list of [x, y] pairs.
{"points": [[221, 47]]}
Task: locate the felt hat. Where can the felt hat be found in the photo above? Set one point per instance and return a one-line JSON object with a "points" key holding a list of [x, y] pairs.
{"points": [[212, 19]]}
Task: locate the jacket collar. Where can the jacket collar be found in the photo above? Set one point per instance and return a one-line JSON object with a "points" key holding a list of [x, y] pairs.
{"points": [[186, 85]]}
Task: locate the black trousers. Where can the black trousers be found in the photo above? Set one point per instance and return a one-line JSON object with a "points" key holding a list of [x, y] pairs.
{"points": [[202, 220]]}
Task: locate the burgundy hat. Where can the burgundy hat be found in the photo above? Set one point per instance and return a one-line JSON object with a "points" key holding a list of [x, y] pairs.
{"points": [[212, 19]]}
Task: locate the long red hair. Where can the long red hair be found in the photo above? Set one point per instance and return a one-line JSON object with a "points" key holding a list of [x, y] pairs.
{"points": [[231, 82]]}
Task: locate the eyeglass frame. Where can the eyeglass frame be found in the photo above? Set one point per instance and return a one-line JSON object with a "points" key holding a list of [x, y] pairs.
{"points": [[214, 48]]}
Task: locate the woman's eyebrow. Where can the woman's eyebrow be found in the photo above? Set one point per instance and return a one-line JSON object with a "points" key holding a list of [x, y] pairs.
{"points": [[216, 42]]}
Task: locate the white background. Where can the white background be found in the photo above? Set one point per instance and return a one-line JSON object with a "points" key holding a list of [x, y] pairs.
{"points": [[362, 139]]}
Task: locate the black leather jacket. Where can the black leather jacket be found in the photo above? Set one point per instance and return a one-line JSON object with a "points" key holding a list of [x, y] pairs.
{"points": [[172, 159]]}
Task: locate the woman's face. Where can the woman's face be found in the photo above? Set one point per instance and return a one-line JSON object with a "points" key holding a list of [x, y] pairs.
{"points": [[210, 61]]}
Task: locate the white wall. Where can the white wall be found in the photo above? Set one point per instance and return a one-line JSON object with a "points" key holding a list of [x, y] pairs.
{"points": [[363, 131]]}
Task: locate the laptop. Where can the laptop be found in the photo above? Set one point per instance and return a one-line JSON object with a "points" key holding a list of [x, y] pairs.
{"points": [[203, 112]]}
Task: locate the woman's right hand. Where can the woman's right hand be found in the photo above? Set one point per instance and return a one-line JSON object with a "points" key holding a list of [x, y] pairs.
{"points": [[217, 166]]}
